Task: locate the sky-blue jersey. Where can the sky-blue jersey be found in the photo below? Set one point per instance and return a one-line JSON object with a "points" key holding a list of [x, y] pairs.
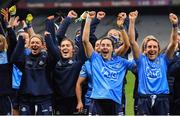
{"points": [[3, 58], [108, 76], [152, 75], [86, 73]]}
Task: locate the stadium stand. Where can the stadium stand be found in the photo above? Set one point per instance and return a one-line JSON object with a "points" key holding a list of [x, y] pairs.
{"points": [[157, 25]]}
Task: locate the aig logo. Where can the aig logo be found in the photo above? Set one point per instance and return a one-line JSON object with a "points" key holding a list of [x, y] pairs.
{"points": [[153, 73], [110, 74]]}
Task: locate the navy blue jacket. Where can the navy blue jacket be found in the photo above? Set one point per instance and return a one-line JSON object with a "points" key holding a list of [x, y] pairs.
{"points": [[66, 72], [174, 72], [36, 79]]}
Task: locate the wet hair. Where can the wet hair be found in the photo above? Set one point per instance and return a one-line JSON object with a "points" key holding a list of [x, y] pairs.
{"points": [[3, 39], [108, 38], [147, 39], [37, 36]]}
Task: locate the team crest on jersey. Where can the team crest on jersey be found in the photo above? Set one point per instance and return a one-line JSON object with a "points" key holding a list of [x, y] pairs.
{"points": [[23, 109], [82, 72], [177, 53], [59, 63], [158, 62], [41, 63], [70, 62]]}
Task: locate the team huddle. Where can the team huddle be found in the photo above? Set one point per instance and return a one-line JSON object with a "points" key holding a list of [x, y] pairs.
{"points": [[53, 74]]}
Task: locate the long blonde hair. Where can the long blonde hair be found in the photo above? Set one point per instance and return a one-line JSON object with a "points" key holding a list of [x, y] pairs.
{"points": [[3, 39]]}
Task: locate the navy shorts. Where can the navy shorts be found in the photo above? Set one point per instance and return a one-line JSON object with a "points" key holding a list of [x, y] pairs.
{"points": [[32, 106], [5, 105], [153, 105], [105, 107], [65, 106]]}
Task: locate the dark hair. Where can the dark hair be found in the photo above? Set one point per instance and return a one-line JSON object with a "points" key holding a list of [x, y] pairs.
{"points": [[70, 40], [108, 38]]}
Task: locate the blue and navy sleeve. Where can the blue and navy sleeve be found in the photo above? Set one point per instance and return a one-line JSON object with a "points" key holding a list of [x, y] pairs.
{"points": [[126, 26], [63, 28], [49, 25], [52, 48], [18, 56], [80, 53], [93, 38], [93, 27], [11, 41]]}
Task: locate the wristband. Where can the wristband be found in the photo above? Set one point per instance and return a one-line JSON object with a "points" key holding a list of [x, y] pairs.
{"points": [[12, 15], [175, 25], [88, 19], [29, 25], [121, 28]]}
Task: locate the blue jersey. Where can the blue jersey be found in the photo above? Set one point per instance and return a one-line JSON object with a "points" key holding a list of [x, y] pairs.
{"points": [[3, 58], [108, 77], [152, 75], [16, 77], [86, 73]]}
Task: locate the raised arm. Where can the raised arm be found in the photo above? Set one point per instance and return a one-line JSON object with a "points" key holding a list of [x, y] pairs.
{"points": [[52, 48], [11, 41], [133, 43], [173, 38], [94, 23], [30, 29], [12, 12], [11, 35], [65, 24], [125, 46], [18, 53], [50, 27], [85, 37]]}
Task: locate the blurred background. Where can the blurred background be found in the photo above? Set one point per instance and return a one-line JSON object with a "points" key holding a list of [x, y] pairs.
{"points": [[153, 14]]}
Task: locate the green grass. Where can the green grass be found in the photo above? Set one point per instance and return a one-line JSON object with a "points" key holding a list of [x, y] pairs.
{"points": [[129, 94]]}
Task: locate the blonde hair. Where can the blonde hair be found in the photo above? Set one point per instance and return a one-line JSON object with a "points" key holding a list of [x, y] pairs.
{"points": [[3, 39], [146, 40]]}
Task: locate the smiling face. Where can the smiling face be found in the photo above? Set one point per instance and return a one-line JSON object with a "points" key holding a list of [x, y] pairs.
{"points": [[35, 45], [67, 49], [106, 48], [152, 49]]}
